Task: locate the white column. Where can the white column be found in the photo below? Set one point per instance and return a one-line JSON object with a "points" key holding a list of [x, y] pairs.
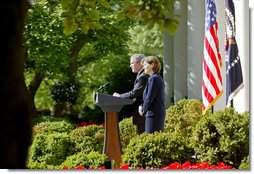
{"points": [[180, 52], [220, 104], [168, 68], [195, 39], [241, 100], [251, 28]]}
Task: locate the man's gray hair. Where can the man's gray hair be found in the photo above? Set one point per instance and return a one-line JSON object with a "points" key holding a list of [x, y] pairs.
{"points": [[137, 57]]}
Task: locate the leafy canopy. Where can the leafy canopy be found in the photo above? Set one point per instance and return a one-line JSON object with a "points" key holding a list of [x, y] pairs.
{"points": [[84, 14]]}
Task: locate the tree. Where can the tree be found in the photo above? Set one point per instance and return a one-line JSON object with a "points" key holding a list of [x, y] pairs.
{"points": [[152, 12], [51, 54], [48, 49], [15, 108]]}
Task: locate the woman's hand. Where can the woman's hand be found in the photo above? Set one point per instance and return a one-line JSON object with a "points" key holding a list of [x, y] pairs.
{"points": [[140, 110]]}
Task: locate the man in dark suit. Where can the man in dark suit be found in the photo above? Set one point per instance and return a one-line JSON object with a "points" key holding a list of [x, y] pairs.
{"points": [[137, 91]]}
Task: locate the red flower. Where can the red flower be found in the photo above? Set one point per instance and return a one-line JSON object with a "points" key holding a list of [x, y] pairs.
{"points": [[79, 167], [102, 167], [125, 166], [186, 165]]}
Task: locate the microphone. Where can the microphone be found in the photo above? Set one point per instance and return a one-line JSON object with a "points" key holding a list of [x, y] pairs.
{"points": [[101, 88]]}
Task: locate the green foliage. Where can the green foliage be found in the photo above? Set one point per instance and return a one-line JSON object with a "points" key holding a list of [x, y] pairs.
{"points": [[222, 136], [113, 69], [156, 150], [182, 117], [40, 165], [83, 14], [43, 100], [152, 12], [127, 131], [146, 41], [245, 163], [67, 91], [46, 118], [48, 49], [87, 139], [90, 160], [48, 127], [51, 149]]}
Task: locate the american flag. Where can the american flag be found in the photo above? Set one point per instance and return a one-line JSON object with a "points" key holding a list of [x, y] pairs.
{"points": [[212, 87], [234, 79]]}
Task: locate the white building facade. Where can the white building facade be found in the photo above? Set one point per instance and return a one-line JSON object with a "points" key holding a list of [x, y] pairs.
{"points": [[183, 52]]}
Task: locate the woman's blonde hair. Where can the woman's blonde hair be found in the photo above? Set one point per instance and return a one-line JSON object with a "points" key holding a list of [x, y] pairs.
{"points": [[155, 61]]}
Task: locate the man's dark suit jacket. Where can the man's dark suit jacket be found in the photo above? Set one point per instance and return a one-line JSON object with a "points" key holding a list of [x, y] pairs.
{"points": [[137, 94]]}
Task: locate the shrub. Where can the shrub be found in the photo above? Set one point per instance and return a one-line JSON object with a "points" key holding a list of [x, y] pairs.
{"points": [[87, 139], [65, 91], [127, 131], [60, 126], [46, 118], [222, 136], [245, 163], [156, 150], [40, 165], [51, 149], [182, 117], [91, 160]]}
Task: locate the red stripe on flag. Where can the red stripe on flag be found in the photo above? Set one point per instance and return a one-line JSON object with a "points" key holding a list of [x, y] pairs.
{"points": [[212, 54], [208, 96], [211, 78]]}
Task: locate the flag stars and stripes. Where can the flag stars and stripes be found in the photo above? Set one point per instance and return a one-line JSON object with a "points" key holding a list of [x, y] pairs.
{"points": [[212, 79]]}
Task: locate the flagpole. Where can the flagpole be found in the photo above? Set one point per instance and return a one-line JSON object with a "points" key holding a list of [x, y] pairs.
{"points": [[231, 103]]}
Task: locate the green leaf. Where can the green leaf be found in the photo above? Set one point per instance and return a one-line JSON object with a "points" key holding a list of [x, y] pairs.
{"points": [[85, 28], [104, 3], [70, 26], [121, 16], [97, 25], [171, 26]]}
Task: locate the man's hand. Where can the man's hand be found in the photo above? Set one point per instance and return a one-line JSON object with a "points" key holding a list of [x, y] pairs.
{"points": [[116, 94]]}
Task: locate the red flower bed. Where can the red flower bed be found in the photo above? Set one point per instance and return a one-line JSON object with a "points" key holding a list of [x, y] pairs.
{"points": [[84, 124], [185, 166], [199, 165]]}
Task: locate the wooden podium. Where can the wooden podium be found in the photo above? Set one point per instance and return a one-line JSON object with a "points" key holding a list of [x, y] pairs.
{"points": [[110, 105]]}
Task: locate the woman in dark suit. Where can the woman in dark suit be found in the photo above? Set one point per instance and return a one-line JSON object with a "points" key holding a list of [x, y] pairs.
{"points": [[153, 106]]}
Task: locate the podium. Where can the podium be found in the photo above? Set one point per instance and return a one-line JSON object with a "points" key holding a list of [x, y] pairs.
{"points": [[110, 105]]}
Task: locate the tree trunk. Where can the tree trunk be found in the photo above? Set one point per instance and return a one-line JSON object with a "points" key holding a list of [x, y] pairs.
{"points": [[33, 87], [59, 109], [15, 125], [74, 55]]}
